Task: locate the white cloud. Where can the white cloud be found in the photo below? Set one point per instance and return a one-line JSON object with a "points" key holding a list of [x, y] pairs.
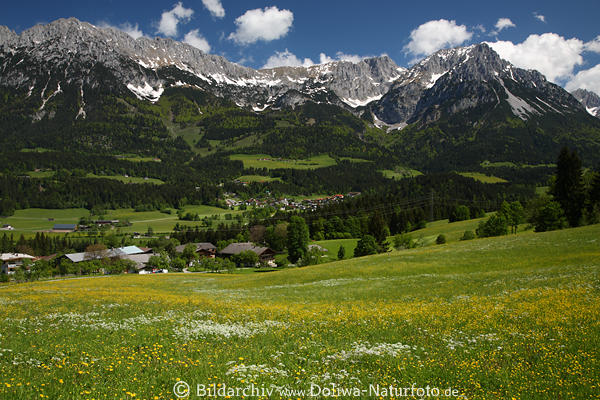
{"points": [[504, 23], [215, 7], [132, 30], [593, 45], [588, 79], [551, 54], [480, 28], [436, 35], [539, 17], [266, 24], [170, 19], [339, 56], [194, 38], [286, 59]]}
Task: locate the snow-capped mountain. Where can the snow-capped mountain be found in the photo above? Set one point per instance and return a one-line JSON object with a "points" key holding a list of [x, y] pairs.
{"points": [[78, 83], [590, 100], [455, 80], [70, 52]]}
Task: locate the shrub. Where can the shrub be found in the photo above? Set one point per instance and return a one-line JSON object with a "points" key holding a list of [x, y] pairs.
{"points": [[441, 239], [366, 246], [341, 253], [468, 235], [403, 241], [246, 258], [496, 225], [460, 213], [548, 217]]}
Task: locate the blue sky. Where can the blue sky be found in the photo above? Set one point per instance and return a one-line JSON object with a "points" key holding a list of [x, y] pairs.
{"points": [[561, 39]]}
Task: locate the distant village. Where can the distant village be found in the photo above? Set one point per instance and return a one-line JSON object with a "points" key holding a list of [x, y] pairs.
{"points": [[232, 201]]}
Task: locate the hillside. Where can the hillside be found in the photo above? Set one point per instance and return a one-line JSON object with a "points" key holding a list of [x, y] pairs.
{"points": [[509, 317]]}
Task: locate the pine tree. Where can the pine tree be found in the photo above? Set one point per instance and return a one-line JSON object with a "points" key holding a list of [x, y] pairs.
{"points": [[568, 188], [341, 253], [378, 228]]}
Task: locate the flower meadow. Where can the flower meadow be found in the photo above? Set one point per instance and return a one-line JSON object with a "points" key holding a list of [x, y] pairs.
{"points": [[515, 317]]}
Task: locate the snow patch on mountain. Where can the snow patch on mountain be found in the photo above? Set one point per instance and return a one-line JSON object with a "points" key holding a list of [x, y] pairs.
{"points": [[354, 103], [146, 92], [519, 107]]}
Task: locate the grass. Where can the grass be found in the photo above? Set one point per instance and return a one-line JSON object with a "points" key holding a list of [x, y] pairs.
{"points": [[500, 318], [121, 178], [128, 179], [269, 162], [34, 219], [488, 164], [478, 176], [453, 231], [38, 219], [400, 173], [135, 158], [333, 247], [257, 178]]}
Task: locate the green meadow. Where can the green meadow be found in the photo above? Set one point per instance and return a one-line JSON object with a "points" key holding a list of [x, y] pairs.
{"points": [[121, 178], [269, 162], [257, 178], [32, 220], [478, 176], [513, 317]]}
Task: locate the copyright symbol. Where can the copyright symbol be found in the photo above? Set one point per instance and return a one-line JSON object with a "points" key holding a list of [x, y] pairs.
{"points": [[181, 389]]}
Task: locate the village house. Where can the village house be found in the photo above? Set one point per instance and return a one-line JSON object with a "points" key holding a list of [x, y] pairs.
{"points": [[207, 250], [9, 262], [265, 254], [64, 228]]}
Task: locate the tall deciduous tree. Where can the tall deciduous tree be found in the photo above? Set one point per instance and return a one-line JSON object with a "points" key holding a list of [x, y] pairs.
{"points": [[297, 238]]}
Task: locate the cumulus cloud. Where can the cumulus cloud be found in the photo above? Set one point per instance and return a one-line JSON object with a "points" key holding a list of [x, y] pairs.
{"points": [[587, 79], [194, 38], [132, 30], [593, 45], [551, 54], [286, 59], [435, 35], [215, 7], [265, 24], [339, 56], [504, 23], [169, 20], [539, 17]]}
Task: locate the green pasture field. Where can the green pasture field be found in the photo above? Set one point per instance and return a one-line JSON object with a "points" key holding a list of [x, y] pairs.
{"points": [[400, 173], [453, 231], [257, 178], [32, 220], [333, 246], [124, 179], [38, 219], [269, 162], [514, 317], [478, 176]]}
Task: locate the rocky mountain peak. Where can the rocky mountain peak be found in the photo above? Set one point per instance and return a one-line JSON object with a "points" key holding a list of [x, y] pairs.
{"points": [[590, 100], [6, 35]]}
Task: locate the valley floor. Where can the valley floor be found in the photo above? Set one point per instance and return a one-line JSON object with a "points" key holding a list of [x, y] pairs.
{"points": [[500, 318]]}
